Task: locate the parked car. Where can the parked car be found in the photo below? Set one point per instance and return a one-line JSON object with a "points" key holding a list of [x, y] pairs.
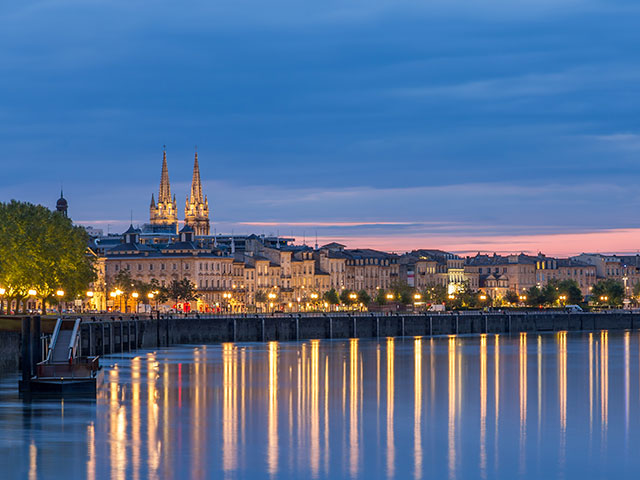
{"points": [[573, 308]]}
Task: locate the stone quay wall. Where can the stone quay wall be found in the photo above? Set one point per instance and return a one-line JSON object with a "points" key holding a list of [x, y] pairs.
{"points": [[103, 336]]}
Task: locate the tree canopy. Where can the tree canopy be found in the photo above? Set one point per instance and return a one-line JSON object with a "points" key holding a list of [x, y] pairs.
{"points": [[42, 251]]}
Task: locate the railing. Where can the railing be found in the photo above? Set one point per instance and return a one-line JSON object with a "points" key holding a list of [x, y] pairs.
{"points": [[54, 339], [74, 341]]}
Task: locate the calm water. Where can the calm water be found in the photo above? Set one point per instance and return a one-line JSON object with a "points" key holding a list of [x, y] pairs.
{"points": [[530, 406]]}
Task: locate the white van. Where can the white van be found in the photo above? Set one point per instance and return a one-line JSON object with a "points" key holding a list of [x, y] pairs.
{"points": [[573, 308]]}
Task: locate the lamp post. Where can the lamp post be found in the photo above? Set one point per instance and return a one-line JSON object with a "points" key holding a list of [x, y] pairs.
{"points": [[135, 297], [119, 294], [353, 297], [563, 299], [32, 293], [150, 296], [59, 294], [272, 297], [90, 296]]}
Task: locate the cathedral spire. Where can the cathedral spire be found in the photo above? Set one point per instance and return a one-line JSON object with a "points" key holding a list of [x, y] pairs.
{"points": [[165, 188], [163, 215], [196, 185], [196, 211]]}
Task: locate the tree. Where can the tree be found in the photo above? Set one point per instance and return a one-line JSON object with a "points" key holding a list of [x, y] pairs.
{"points": [[260, 296], [535, 297], [402, 291], [345, 297], [181, 290], [381, 297], [608, 292], [434, 293], [41, 251], [331, 297], [512, 297], [364, 297]]}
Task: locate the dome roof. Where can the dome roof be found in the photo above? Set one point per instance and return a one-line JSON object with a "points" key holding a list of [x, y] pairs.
{"points": [[62, 202]]}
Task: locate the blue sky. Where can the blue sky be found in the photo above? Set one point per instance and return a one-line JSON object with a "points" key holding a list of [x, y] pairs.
{"points": [[415, 122]]}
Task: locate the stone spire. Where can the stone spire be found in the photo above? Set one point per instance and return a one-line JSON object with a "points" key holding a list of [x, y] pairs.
{"points": [[196, 211], [165, 189], [164, 215], [196, 185]]}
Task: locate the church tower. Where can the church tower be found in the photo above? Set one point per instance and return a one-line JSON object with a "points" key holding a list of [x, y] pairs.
{"points": [[163, 216], [196, 210]]}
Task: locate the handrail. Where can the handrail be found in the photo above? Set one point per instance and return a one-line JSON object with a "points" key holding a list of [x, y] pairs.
{"points": [[54, 339], [73, 339]]}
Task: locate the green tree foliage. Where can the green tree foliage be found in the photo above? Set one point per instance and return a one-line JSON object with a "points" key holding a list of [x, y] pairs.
{"points": [[402, 292], [381, 297], [434, 294], [331, 297], [181, 290], [363, 297], [610, 288], [512, 297], [41, 250], [535, 297], [345, 298]]}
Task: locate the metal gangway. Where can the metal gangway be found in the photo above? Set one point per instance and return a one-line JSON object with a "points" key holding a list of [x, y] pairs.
{"points": [[63, 355]]}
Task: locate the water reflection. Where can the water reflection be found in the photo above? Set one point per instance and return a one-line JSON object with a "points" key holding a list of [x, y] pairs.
{"points": [[457, 407]]}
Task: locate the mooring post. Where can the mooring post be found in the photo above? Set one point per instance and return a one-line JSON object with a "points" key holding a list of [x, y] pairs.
{"points": [[486, 323], [121, 336], [36, 349], [431, 325], [330, 327], [262, 321], [111, 337], [234, 329], [297, 327], [26, 352], [402, 326]]}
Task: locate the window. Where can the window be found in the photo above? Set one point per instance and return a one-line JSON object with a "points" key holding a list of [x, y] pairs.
{"points": [[151, 266], [139, 266], [162, 266], [175, 266]]}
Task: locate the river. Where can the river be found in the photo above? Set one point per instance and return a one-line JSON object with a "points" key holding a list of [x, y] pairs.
{"points": [[562, 405]]}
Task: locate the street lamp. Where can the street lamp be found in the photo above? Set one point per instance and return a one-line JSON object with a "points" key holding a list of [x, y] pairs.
{"points": [[135, 296], [272, 297], [563, 299], [60, 294], [389, 296]]}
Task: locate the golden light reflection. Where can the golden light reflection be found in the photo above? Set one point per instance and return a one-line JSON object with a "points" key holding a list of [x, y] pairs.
{"points": [[417, 413], [591, 372], [452, 407], [91, 451], [391, 452], [562, 391], [135, 417], [117, 428], [483, 406], [229, 407], [604, 381], [153, 444], [354, 447], [326, 415], [272, 442], [315, 409], [539, 387], [627, 381], [33, 461], [496, 394], [522, 357]]}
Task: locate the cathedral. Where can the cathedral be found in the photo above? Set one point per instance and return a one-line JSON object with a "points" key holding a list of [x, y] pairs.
{"points": [[163, 215]]}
